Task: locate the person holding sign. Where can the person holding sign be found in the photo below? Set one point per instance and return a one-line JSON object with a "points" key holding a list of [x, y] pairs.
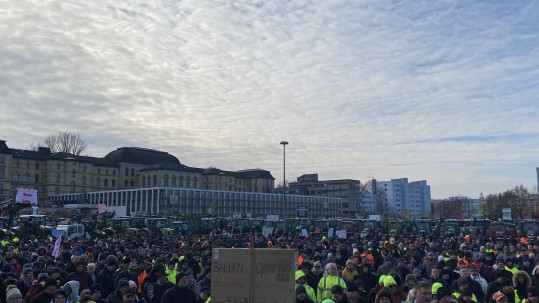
{"points": [[330, 279]]}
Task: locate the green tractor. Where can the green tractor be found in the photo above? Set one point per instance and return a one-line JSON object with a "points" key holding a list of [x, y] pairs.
{"points": [[157, 226], [32, 225], [100, 225]]}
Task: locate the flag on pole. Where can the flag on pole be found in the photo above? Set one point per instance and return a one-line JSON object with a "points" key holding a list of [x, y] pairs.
{"points": [[57, 244]]}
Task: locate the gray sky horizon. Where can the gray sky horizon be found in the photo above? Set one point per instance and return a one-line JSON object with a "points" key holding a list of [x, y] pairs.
{"points": [[442, 91]]}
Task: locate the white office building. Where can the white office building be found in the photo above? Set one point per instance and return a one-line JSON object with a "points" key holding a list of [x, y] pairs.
{"points": [[170, 201], [400, 198]]}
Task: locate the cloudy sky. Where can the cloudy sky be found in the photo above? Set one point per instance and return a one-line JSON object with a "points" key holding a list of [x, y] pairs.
{"points": [[441, 91]]}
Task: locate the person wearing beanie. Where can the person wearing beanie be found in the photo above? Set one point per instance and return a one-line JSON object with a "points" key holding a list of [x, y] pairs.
{"points": [[36, 287], [117, 296], [13, 295], [107, 276], [59, 296], [25, 281], [301, 279], [349, 271], [129, 295], [330, 279], [96, 293], [315, 275], [337, 294], [301, 295], [367, 276], [180, 293], [385, 268], [48, 286], [384, 296], [129, 274], [81, 275], [148, 295]]}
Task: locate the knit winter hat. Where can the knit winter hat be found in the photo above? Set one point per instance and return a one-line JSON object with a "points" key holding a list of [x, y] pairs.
{"points": [[13, 293], [389, 280]]}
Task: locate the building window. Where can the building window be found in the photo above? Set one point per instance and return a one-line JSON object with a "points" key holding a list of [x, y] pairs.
{"points": [[188, 182], [132, 182], [107, 171], [114, 172], [56, 190], [126, 172], [84, 168], [16, 177], [2, 159], [154, 180], [17, 164], [113, 182], [57, 178], [132, 172], [166, 180], [181, 181], [2, 173], [83, 180], [26, 178], [195, 182], [174, 181], [125, 183], [27, 164], [58, 165], [143, 181], [37, 165], [72, 187], [98, 182], [74, 173], [99, 170], [106, 182]]}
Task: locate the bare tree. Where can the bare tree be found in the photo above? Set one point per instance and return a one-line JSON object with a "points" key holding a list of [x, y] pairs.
{"points": [[65, 142]]}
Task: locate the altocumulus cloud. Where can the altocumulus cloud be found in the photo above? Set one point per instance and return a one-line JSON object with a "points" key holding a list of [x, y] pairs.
{"points": [[434, 90]]}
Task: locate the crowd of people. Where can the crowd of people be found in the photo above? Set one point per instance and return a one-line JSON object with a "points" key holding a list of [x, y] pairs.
{"points": [[380, 269]]}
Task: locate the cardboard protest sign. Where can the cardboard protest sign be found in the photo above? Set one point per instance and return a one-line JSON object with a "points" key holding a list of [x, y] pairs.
{"points": [[253, 275]]}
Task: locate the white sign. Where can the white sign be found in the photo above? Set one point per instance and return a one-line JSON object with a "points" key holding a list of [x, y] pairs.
{"points": [[272, 217], [506, 214], [341, 234], [330, 233], [26, 196], [304, 232]]}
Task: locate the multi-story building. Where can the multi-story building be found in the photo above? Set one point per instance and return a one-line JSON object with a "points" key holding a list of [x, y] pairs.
{"points": [[346, 189], [173, 201], [399, 198], [125, 168], [537, 173]]}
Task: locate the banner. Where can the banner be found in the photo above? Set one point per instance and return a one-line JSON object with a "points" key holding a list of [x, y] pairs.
{"points": [[26, 196], [57, 244], [101, 208], [341, 234], [304, 232], [330, 233]]}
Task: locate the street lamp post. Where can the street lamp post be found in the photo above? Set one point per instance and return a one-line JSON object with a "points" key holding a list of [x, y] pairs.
{"points": [[284, 144]]}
